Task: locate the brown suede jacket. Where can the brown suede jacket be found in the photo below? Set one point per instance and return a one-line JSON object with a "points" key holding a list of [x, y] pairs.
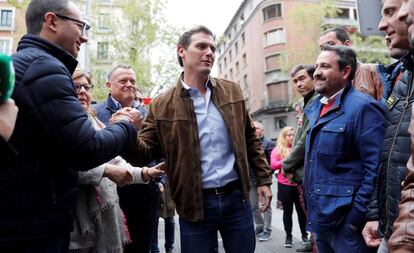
{"points": [[368, 81], [171, 127], [402, 238]]}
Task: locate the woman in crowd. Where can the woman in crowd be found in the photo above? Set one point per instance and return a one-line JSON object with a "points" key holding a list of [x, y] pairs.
{"points": [[99, 225], [288, 192]]}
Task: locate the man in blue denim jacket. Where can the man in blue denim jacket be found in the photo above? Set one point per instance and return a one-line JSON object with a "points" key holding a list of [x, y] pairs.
{"points": [[342, 153]]}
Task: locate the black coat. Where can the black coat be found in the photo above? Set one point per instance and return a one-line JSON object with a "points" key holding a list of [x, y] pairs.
{"points": [[394, 156], [54, 139]]}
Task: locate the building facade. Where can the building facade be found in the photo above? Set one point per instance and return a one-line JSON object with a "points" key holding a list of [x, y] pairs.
{"points": [[12, 27], [253, 52], [95, 55]]}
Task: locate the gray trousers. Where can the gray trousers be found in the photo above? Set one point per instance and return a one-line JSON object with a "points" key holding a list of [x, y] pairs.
{"points": [[261, 220]]}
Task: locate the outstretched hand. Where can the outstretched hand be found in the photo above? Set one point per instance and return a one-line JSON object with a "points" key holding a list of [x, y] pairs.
{"points": [[117, 174]]}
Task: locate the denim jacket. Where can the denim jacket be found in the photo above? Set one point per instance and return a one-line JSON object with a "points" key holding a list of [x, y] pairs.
{"points": [[342, 158]]}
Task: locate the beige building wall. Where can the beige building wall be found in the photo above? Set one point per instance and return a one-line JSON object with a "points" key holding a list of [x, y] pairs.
{"points": [[12, 27]]}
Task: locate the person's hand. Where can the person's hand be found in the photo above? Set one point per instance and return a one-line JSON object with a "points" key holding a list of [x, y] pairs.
{"points": [[8, 115], [120, 115], [370, 234], [157, 171], [135, 115], [264, 197], [119, 175]]}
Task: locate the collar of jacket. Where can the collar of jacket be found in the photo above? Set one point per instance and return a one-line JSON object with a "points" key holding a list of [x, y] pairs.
{"points": [[183, 92], [308, 97], [314, 109], [407, 61], [110, 105], [30, 41]]}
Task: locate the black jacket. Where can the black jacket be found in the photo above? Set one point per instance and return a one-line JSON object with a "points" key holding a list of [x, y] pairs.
{"points": [[54, 139], [394, 156], [7, 153]]}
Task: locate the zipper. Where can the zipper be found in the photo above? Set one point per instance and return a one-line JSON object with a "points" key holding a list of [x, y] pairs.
{"points": [[405, 104]]}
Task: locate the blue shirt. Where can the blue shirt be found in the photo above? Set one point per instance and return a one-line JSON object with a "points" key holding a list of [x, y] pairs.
{"points": [[216, 153]]}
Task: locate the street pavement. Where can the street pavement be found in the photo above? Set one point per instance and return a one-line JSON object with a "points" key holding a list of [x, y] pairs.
{"points": [[274, 245]]}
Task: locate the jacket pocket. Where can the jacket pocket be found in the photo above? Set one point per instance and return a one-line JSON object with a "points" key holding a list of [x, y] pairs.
{"points": [[332, 138], [333, 203]]}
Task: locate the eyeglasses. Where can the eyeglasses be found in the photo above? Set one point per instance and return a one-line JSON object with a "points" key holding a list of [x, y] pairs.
{"points": [[88, 87], [83, 25]]}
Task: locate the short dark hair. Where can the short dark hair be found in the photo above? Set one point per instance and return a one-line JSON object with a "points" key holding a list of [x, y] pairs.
{"points": [[340, 33], [37, 9], [346, 57], [310, 69], [185, 38]]}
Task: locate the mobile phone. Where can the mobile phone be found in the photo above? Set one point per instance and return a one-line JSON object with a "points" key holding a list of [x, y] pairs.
{"points": [[6, 77]]}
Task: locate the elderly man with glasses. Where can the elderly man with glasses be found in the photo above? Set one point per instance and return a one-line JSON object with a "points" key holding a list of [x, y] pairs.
{"points": [[53, 135]]}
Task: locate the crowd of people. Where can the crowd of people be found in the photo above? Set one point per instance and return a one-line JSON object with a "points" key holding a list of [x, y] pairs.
{"points": [[82, 177]]}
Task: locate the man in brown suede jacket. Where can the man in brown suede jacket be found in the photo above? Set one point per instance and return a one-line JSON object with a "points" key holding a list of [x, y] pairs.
{"points": [[207, 137]]}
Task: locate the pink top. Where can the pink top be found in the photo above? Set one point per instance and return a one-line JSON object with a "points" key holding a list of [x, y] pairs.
{"points": [[276, 165]]}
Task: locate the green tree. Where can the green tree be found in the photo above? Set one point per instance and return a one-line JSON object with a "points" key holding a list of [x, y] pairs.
{"points": [[141, 32], [307, 20], [310, 20], [19, 4], [167, 69]]}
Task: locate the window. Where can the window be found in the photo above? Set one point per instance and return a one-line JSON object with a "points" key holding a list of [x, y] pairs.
{"points": [[230, 56], [236, 48], [343, 13], [275, 37], [243, 37], [103, 23], [6, 18], [280, 122], [245, 84], [272, 11], [225, 62], [244, 60], [237, 68], [102, 50], [5, 46], [231, 74], [272, 62], [355, 14], [278, 92], [219, 68]]}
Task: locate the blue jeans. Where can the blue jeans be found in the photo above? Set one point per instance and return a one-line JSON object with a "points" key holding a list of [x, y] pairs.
{"points": [[343, 240], [169, 235], [229, 214]]}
